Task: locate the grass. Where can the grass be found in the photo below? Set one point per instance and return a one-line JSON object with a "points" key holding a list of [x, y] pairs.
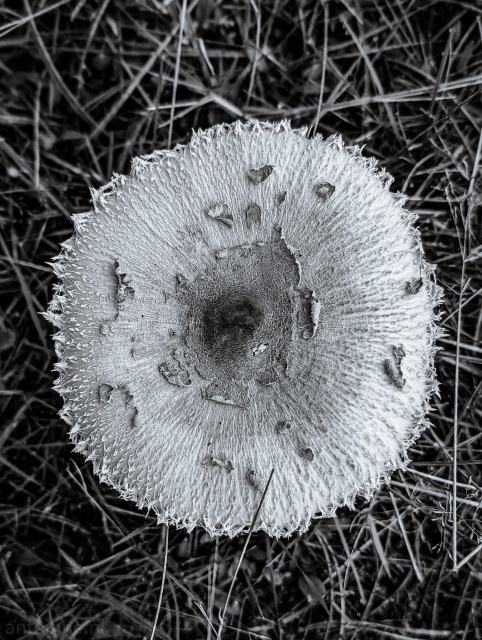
{"points": [[86, 85]]}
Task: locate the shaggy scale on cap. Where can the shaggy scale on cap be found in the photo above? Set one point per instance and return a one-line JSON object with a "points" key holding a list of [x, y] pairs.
{"points": [[253, 300]]}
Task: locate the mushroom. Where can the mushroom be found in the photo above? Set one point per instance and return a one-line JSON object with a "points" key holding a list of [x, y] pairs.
{"points": [[254, 300]]}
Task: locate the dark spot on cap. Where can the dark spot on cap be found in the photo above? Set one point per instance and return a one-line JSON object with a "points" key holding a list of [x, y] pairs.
{"points": [[392, 367], [324, 190], [307, 454], [181, 283], [253, 480], [221, 213], [253, 214], [105, 391], [280, 198], [283, 426], [256, 176], [414, 286]]}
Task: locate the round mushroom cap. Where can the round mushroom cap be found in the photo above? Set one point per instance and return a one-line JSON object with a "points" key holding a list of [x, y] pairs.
{"points": [[256, 300]]}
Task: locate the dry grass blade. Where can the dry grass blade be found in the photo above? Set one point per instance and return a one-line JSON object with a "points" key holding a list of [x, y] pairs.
{"points": [[27, 294], [57, 78], [378, 544], [10, 26], [165, 546], [222, 616], [413, 560], [133, 84], [176, 70]]}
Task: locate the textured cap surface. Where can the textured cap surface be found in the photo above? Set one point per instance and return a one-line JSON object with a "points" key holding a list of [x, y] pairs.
{"points": [[254, 300]]}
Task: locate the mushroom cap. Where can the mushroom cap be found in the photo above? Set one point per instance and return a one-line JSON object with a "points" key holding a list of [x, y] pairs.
{"points": [[256, 300]]}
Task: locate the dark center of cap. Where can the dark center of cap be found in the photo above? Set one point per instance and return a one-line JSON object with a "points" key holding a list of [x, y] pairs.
{"points": [[229, 323], [240, 317]]}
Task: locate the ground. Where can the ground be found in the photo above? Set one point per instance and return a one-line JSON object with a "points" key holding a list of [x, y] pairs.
{"points": [[85, 86]]}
